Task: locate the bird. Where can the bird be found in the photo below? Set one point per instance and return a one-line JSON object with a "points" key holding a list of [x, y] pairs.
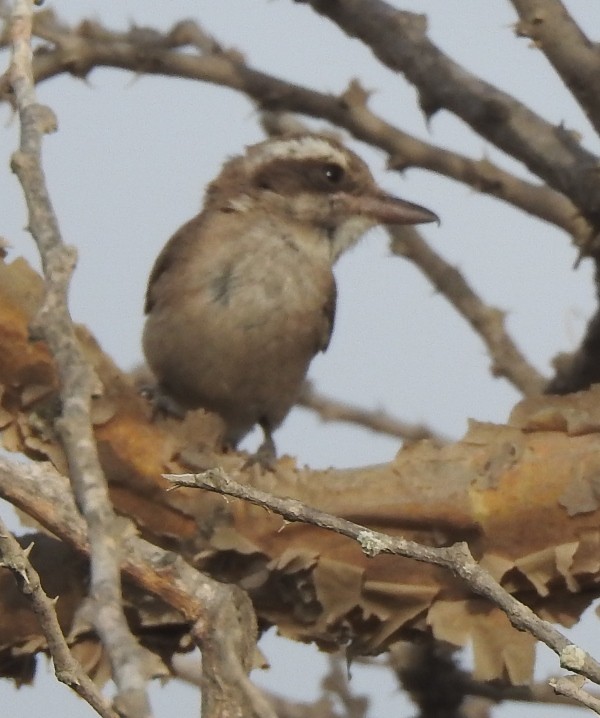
{"points": [[243, 296]]}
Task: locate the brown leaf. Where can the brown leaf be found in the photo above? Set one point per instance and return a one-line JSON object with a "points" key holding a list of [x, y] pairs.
{"points": [[499, 650], [523, 496]]}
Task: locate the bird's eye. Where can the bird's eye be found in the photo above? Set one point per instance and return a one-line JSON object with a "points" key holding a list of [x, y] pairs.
{"points": [[333, 172]]}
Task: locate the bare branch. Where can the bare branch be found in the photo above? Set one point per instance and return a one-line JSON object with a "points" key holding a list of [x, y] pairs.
{"points": [[399, 39], [482, 175], [457, 558], [488, 322], [573, 56], [145, 50], [572, 687], [330, 409], [221, 616], [67, 669], [78, 382]]}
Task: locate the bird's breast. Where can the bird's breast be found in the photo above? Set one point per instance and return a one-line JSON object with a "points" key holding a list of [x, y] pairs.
{"points": [[242, 324], [268, 273]]}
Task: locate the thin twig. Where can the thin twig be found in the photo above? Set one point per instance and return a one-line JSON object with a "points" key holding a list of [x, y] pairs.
{"points": [[67, 669], [53, 323], [380, 422], [572, 687], [456, 558]]}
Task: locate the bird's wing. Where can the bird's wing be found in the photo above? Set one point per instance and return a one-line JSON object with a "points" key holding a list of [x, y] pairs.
{"points": [[173, 250], [328, 318]]}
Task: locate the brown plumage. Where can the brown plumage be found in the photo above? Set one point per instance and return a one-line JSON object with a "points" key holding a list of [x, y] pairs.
{"points": [[243, 296]]}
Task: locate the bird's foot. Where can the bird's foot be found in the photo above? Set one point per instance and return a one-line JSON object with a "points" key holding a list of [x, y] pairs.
{"points": [[162, 404], [266, 454]]}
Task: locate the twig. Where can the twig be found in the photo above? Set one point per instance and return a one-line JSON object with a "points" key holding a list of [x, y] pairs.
{"points": [[67, 669], [330, 409], [573, 56], [151, 52], [488, 322], [572, 686], [457, 558], [221, 616], [53, 323]]}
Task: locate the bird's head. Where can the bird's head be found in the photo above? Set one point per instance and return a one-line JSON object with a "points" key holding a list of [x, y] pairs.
{"points": [[315, 181]]}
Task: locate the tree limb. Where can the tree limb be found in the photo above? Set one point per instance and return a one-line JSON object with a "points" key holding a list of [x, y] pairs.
{"points": [[221, 616], [67, 669], [329, 409], [399, 39], [575, 59], [53, 324], [144, 50], [456, 558]]}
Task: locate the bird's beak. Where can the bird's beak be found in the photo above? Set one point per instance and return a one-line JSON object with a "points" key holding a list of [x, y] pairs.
{"points": [[384, 208]]}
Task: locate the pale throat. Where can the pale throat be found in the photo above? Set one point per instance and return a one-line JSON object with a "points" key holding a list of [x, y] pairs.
{"points": [[347, 233], [310, 220]]}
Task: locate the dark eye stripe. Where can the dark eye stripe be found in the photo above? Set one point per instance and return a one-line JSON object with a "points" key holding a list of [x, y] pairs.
{"points": [[292, 176]]}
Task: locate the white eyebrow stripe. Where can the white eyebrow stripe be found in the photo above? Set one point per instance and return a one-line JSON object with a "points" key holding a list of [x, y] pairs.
{"points": [[300, 148]]}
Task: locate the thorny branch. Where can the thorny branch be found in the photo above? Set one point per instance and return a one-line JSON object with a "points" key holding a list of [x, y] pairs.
{"points": [[77, 380], [143, 50], [68, 670], [221, 616], [573, 56], [399, 39], [379, 421], [456, 558]]}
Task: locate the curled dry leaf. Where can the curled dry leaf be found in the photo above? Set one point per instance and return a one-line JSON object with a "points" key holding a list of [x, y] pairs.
{"points": [[524, 496]]}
